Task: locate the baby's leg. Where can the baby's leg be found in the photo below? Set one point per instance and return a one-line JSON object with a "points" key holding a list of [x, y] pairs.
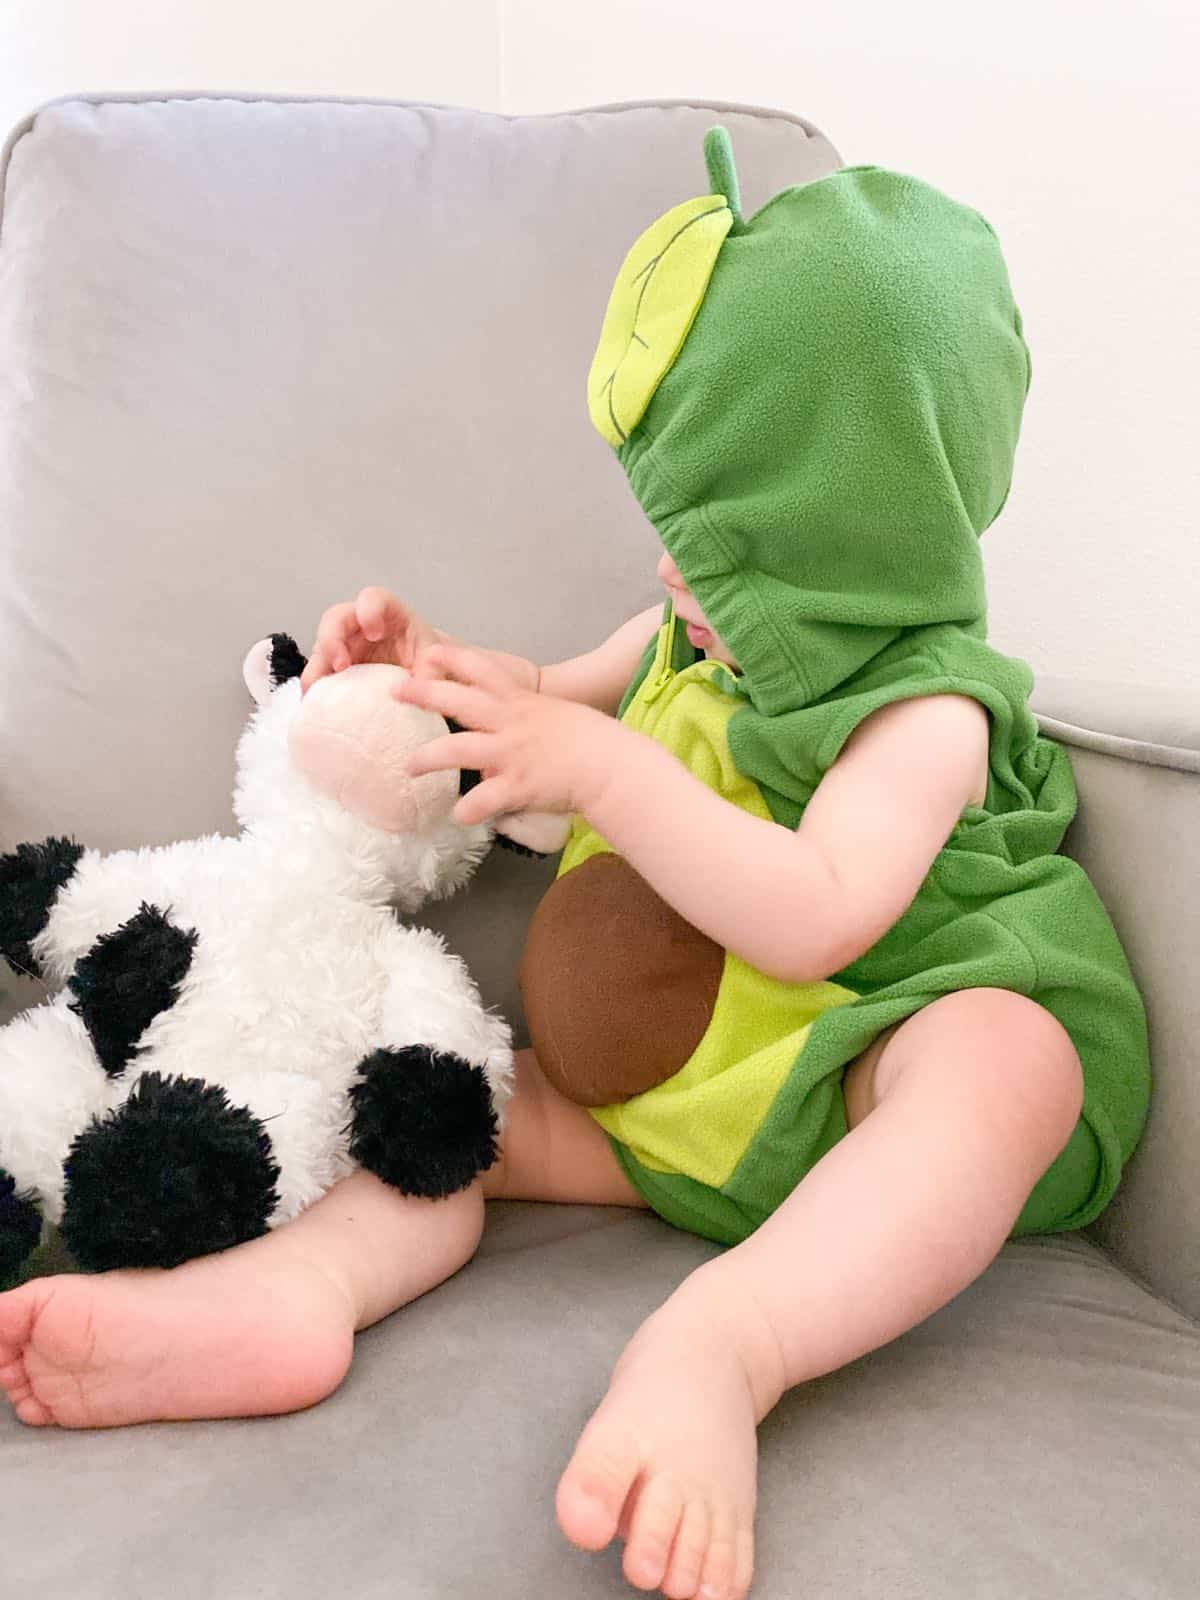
{"points": [[269, 1326], [954, 1118]]}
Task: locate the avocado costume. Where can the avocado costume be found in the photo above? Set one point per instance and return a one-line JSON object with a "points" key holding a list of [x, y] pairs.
{"points": [[818, 409]]}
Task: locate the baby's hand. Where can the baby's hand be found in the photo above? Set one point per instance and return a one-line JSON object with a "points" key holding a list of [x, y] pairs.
{"points": [[535, 752], [375, 627]]}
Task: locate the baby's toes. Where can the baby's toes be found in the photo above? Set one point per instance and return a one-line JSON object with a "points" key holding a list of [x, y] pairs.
{"points": [[593, 1490], [743, 1572], [651, 1531], [687, 1558], [30, 1410], [728, 1565], [16, 1385]]}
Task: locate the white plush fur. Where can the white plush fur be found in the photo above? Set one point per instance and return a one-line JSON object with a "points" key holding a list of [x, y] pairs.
{"points": [[51, 1086], [301, 969]]}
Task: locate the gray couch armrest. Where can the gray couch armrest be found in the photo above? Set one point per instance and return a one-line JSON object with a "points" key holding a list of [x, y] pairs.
{"points": [[1136, 755], [1154, 726]]}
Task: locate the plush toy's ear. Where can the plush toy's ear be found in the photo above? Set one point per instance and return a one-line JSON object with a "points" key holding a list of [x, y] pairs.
{"points": [[271, 662]]}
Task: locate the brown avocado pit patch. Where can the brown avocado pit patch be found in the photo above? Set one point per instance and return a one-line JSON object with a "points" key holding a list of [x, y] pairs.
{"points": [[618, 988]]}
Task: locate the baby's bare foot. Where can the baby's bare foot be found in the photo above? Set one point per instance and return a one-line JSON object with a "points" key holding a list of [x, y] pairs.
{"points": [[227, 1335], [668, 1462]]}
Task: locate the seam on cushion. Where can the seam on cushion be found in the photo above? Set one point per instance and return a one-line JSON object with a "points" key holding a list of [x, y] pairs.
{"points": [[1140, 752], [22, 130], [1144, 1284], [99, 97], [1096, 1247]]}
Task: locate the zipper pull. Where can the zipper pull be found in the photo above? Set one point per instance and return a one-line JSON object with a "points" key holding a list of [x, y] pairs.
{"points": [[665, 654], [657, 687]]}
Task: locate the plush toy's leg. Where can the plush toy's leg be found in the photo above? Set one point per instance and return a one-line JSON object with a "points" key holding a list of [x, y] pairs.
{"points": [[426, 1103], [20, 1227], [51, 1086], [423, 1120], [306, 1126], [175, 1171], [230, 1162]]}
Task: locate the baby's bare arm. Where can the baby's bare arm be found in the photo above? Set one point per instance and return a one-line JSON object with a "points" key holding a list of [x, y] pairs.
{"points": [[600, 677], [802, 905]]}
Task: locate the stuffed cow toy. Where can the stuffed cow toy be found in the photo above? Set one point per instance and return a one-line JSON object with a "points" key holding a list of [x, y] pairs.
{"points": [[242, 1020]]}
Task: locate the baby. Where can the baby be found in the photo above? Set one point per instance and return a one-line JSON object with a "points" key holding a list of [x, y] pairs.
{"points": [[849, 1011]]}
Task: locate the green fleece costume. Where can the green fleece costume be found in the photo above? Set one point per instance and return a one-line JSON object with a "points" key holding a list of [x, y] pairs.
{"points": [[818, 409]]}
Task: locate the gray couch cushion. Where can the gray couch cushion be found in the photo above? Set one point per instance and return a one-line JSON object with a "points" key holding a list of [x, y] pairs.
{"points": [[1040, 1437]]}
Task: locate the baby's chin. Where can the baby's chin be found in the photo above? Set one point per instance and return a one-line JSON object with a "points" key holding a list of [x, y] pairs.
{"points": [[711, 645], [720, 653]]}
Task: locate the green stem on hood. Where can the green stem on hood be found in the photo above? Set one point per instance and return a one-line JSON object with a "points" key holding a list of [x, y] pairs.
{"points": [[722, 174]]}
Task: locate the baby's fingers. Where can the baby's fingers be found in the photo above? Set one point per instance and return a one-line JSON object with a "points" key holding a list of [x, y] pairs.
{"points": [[451, 700], [470, 666], [491, 798], [337, 635], [422, 666], [472, 751], [381, 615], [318, 667]]}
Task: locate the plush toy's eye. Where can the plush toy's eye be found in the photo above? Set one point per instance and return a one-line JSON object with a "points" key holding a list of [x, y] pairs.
{"points": [[653, 304]]}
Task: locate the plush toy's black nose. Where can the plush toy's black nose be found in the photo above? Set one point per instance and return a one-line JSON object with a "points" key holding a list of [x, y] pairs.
{"points": [[20, 1228], [174, 1172], [30, 878], [423, 1121]]}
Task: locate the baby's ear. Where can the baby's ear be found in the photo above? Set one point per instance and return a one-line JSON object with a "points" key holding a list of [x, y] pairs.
{"points": [[271, 662], [540, 833]]}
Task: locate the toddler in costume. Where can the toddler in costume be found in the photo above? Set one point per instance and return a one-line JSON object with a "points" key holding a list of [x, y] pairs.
{"points": [[812, 979]]}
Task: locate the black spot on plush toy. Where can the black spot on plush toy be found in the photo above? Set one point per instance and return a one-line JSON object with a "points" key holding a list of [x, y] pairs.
{"points": [[242, 1020]]}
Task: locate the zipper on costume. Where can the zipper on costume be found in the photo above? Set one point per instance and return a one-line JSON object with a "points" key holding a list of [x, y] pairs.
{"points": [[664, 656]]}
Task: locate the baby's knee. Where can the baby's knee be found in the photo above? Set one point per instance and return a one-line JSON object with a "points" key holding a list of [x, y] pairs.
{"points": [[1038, 1071], [467, 1228], [523, 1103], [1002, 1053]]}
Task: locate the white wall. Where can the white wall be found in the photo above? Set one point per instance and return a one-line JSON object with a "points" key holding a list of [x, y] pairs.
{"points": [[380, 49], [1072, 126]]}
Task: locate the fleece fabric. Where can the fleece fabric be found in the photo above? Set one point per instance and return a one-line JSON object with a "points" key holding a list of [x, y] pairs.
{"points": [[832, 429]]}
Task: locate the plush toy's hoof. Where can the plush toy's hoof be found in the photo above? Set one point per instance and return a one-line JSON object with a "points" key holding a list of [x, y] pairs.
{"points": [[20, 1228], [423, 1121], [174, 1172], [30, 878]]}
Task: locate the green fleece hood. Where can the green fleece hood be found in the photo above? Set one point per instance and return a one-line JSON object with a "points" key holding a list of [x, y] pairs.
{"points": [[818, 409]]}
